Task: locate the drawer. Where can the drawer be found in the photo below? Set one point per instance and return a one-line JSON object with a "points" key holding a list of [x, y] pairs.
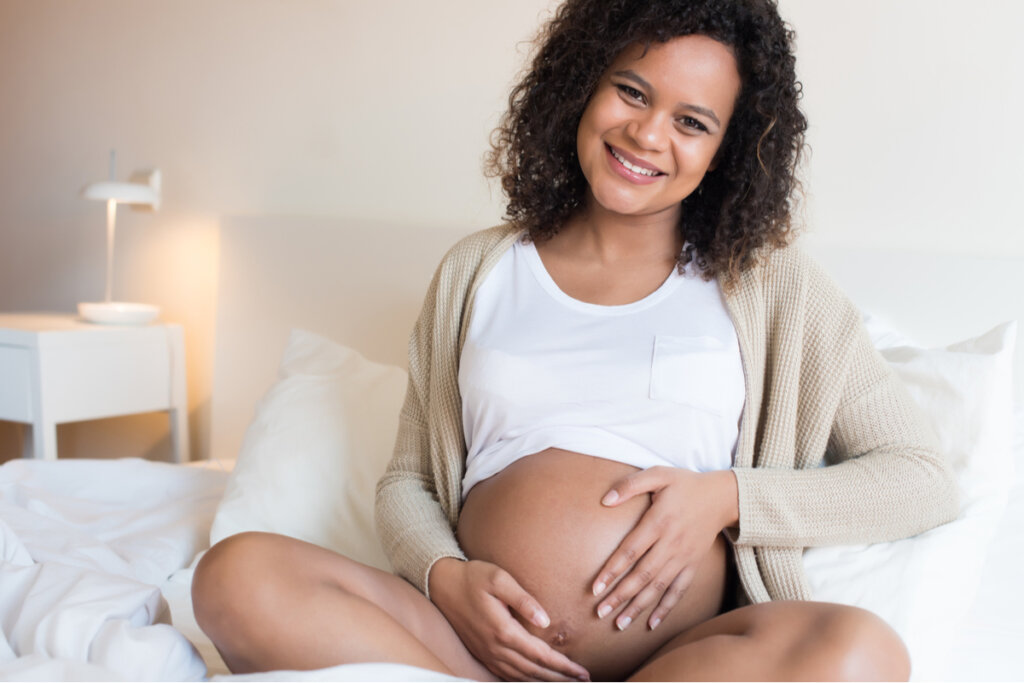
{"points": [[103, 380], [15, 384]]}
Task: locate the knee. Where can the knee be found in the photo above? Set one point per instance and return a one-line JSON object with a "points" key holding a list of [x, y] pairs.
{"points": [[854, 644], [226, 580]]}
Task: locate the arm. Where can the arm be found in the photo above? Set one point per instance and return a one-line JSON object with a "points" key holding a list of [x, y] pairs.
{"points": [[419, 496], [886, 478], [415, 529], [827, 395]]}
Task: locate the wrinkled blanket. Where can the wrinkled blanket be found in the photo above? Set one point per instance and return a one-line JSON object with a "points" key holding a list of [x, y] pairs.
{"points": [[84, 546]]}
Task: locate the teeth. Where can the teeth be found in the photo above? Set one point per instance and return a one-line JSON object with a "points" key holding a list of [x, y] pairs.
{"points": [[631, 167]]}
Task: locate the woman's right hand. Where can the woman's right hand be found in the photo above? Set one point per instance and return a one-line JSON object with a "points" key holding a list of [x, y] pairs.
{"points": [[476, 598]]}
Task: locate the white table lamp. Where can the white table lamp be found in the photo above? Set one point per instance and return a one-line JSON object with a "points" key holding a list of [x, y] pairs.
{"points": [[145, 194]]}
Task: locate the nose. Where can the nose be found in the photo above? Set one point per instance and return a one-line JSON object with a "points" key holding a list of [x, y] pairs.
{"points": [[649, 129]]}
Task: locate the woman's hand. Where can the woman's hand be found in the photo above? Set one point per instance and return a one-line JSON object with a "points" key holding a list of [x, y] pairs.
{"points": [[665, 548], [476, 597]]}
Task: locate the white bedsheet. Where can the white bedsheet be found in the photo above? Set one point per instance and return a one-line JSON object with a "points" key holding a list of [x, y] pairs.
{"points": [[93, 552], [84, 546]]}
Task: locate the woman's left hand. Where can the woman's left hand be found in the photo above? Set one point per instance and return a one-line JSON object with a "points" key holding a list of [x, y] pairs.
{"points": [[665, 548]]}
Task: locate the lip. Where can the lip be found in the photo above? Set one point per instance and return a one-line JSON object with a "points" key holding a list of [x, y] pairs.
{"points": [[632, 176]]}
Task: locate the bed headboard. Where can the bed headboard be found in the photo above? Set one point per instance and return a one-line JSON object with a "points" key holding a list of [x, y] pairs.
{"points": [[362, 283], [358, 282], [934, 298]]}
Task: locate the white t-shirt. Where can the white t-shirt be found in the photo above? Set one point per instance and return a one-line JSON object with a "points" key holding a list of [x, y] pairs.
{"points": [[655, 382]]}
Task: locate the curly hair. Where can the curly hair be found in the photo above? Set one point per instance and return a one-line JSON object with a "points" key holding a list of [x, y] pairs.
{"points": [[741, 207]]}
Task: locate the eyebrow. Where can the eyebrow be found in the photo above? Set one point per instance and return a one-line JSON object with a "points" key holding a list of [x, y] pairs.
{"points": [[704, 111]]}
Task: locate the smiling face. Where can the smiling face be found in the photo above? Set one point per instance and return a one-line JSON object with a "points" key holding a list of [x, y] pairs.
{"points": [[651, 130]]}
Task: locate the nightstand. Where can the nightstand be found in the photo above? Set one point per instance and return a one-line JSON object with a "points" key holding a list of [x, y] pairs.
{"points": [[57, 368]]}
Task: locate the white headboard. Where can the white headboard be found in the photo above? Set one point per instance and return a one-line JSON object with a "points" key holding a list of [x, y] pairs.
{"points": [[934, 298], [357, 282], [362, 283]]}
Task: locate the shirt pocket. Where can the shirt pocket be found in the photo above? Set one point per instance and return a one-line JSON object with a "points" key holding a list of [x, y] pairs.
{"points": [[693, 371]]}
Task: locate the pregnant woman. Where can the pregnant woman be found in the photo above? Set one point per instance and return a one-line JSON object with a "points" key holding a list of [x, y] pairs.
{"points": [[629, 409]]}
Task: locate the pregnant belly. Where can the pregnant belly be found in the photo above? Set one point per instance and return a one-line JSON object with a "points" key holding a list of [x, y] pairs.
{"points": [[541, 520]]}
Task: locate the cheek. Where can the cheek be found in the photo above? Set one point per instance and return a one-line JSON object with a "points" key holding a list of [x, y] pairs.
{"points": [[602, 114], [588, 132], [697, 157], [589, 145]]}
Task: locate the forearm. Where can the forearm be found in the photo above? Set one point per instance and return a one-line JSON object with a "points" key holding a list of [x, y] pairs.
{"points": [[413, 528], [880, 496], [886, 478]]}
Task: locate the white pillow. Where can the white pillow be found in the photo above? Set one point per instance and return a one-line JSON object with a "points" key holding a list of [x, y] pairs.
{"points": [[924, 586], [311, 458]]}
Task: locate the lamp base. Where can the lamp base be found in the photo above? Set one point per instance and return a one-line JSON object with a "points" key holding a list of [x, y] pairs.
{"points": [[118, 312]]}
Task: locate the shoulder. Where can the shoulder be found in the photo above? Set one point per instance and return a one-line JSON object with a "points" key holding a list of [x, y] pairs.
{"points": [[795, 292], [475, 248], [791, 265], [794, 275], [467, 259]]}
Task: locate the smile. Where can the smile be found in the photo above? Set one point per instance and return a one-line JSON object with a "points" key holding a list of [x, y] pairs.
{"points": [[642, 170]]}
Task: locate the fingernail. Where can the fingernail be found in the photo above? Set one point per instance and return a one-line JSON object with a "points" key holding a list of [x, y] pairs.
{"points": [[599, 588], [603, 611], [610, 498], [623, 622], [654, 623], [541, 619]]}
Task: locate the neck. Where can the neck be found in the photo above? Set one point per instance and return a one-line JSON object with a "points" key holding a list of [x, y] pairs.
{"points": [[610, 238]]}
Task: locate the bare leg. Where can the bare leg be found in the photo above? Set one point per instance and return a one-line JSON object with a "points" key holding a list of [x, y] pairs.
{"points": [[783, 641], [272, 602]]}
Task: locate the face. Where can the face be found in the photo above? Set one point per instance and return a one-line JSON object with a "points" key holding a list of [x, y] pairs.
{"points": [[652, 128]]}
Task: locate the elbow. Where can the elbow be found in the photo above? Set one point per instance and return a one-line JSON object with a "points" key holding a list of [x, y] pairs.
{"points": [[944, 494], [951, 507]]}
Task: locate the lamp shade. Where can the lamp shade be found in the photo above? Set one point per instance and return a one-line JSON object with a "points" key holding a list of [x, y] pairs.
{"points": [[147, 194], [123, 193]]}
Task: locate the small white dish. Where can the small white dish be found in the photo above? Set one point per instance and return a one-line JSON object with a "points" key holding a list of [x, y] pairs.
{"points": [[118, 313]]}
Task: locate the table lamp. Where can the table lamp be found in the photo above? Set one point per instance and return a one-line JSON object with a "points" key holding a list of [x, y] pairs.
{"points": [[146, 194]]}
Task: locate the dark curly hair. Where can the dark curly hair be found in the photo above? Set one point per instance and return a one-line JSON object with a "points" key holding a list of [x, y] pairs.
{"points": [[742, 206]]}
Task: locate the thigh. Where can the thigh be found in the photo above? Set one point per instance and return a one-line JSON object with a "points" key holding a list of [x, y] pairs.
{"points": [[784, 640], [295, 581], [775, 624]]}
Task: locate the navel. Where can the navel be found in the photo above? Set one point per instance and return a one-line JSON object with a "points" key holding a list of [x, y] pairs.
{"points": [[560, 638]]}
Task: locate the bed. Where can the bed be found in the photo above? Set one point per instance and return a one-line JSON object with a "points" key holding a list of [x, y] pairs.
{"points": [[312, 318]]}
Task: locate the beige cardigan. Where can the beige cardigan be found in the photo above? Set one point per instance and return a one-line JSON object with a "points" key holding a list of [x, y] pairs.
{"points": [[816, 390]]}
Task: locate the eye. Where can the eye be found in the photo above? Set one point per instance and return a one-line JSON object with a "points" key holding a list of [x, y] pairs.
{"points": [[693, 124], [629, 92]]}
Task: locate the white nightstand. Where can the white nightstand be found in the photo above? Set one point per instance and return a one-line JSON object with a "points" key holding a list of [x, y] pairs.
{"points": [[56, 368]]}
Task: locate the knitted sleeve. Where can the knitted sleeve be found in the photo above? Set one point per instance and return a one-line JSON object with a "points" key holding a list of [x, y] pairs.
{"points": [[414, 529], [867, 466], [419, 496]]}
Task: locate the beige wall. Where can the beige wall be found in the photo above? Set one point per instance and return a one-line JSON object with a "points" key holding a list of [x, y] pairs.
{"points": [[380, 109], [915, 121], [356, 108]]}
